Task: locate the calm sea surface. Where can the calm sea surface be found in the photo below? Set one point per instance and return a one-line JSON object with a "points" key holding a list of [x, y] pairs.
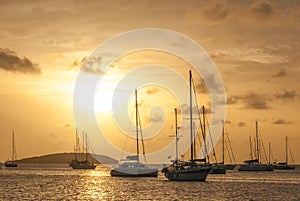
{"points": [[59, 182]]}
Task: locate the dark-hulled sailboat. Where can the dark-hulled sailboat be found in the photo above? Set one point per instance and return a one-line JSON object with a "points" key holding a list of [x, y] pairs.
{"points": [[285, 165], [12, 163], [84, 163], [255, 164], [194, 169]]}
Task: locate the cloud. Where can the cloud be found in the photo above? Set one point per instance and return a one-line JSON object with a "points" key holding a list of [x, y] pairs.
{"points": [[241, 124], [286, 95], [251, 101], [282, 121], [152, 90], [156, 118], [257, 101], [262, 10], [228, 122], [185, 109], [9, 61], [89, 65], [216, 12], [281, 73]]}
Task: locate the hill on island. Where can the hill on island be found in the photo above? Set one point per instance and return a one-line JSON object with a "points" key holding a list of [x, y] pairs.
{"points": [[66, 158]]}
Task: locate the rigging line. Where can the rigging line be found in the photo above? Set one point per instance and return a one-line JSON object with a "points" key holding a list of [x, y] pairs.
{"points": [[291, 153], [231, 150], [214, 153], [126, 137], [200, 122], [227, 148], [262, 144], [143, 145]]}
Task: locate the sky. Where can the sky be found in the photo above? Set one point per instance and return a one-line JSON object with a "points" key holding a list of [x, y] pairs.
{"points": [[255, 46]]}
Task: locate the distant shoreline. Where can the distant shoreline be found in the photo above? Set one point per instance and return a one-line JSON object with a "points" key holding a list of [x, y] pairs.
{"points": [[65, 158]]}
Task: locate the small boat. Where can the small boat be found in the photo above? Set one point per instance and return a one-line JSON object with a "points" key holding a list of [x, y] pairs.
{"points": [[132, 166], [255, 164], [285, 165], [84, 163], [194, 169], [12, 163]]}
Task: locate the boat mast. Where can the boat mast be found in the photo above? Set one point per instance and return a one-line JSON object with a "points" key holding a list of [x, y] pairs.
{"points": [[269, 152], [191, 117], [13, 147], [86, 147], [137, 127], [176, 135], [204, 132], [257, 142], [76, 144], [250, 142], [286, 150], [223, 141]]}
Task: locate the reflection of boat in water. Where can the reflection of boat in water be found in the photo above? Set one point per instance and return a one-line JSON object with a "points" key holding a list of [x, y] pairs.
{"points": [[255, 164], [285, 165], [12, 163], [84, 163], [132, 166], [194, 169]]}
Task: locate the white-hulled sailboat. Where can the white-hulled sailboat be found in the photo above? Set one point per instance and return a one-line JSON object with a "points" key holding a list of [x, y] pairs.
{"points": [[12, 163], [132, 166], [194, 169]]}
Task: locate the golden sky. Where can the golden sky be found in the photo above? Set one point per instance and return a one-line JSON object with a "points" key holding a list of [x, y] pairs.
{"points": [[254, 44]]}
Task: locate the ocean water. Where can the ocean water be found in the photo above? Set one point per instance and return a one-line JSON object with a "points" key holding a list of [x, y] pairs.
{"points": [[59, 182]]}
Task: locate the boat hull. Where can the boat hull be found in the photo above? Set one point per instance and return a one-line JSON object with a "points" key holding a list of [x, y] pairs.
{"points": [[284, 167], [10, 164], [197, 173], [82, 165], [142, 172], [258, 167], [217, 170], [230, 166]]}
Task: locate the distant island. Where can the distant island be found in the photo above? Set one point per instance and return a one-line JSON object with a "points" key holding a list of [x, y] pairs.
{"points": [[66, 158]]}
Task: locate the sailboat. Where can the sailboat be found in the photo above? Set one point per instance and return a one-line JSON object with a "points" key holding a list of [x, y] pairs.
{"points": [[132, 166], [194, 169], [285, 165], [12, 163], [255, 164], [84, 163]]}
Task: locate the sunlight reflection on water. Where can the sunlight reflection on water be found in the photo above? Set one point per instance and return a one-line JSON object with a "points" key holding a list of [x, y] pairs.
{"points": [[63, 183]]}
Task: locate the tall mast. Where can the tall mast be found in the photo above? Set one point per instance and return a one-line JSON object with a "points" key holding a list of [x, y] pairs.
{"points": [[76, 144], [269, 152], [257, 142], [286, 150], [223, 142], [86, 147], [137, 127], [13, 147], [176, 135], [191, 117], [204, 131], [194, 135]]}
